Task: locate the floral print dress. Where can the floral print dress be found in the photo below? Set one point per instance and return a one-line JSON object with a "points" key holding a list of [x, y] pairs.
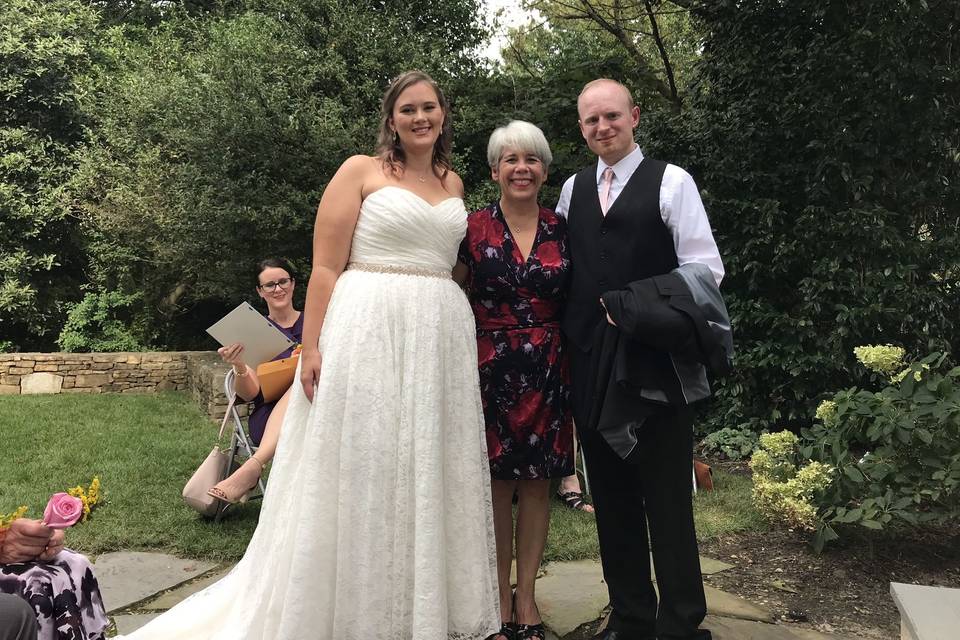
{"points": [[524, 376], [63, 593]]}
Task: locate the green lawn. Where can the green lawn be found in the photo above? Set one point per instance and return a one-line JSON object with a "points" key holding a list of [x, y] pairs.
{"points": [[144, 447]]}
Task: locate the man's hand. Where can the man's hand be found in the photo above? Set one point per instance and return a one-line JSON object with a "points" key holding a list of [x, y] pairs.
{"points": [[609, 319]]}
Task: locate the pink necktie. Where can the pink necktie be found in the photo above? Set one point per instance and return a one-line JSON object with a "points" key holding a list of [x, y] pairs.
{"points": [[605, 181]]}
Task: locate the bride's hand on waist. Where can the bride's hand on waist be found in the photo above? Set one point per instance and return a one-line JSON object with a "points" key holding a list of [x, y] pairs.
{"points": [[310, 361]]}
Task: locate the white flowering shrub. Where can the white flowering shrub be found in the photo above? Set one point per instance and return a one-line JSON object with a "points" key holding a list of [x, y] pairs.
{"points": [[784, 492], [896, 451]]}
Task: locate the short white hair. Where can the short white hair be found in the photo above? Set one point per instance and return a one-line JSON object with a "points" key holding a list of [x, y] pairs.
{"points": [[522, 136]]}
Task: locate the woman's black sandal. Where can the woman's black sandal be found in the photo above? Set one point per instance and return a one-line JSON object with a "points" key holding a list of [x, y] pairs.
{"points": [[508, 630], [573, 499], [528, 631]]}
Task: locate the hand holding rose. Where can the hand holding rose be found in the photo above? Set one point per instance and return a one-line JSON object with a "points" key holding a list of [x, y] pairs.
{"points": [[27, 540]]}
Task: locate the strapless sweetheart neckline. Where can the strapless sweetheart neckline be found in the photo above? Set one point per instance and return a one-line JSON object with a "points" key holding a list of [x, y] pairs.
{"points": [[412, 193]]}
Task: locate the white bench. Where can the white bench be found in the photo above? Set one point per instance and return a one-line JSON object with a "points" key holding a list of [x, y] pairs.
{"points": [[927, 613]]}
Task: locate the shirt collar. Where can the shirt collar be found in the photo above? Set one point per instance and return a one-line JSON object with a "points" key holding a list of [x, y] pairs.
{"points": [[627, 165]]}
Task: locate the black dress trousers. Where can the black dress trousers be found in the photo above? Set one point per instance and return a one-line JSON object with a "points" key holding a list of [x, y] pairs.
{"points": [[653, 489]]}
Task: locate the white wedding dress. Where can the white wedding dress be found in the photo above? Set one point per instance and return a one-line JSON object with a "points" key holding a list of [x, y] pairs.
{"points": [[377, 521]]}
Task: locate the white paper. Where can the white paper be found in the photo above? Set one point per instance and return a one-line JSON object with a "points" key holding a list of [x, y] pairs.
{"points": [[261, 339]]}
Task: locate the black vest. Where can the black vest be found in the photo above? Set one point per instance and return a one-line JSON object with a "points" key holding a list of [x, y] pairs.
{"points": [[608, 252]]}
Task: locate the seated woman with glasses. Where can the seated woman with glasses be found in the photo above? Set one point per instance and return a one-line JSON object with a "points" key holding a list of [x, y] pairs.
{"points": [[275, 284]]}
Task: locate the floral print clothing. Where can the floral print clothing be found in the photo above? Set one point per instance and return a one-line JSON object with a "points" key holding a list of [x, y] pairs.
{"points": [[63, 593], [524, 376]]}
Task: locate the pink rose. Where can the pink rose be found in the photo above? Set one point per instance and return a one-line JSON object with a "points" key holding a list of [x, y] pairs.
{"points": [[62, 511]]}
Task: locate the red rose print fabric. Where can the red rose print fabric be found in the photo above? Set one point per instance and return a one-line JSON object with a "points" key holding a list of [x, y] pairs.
{"points": [[524, 376]]}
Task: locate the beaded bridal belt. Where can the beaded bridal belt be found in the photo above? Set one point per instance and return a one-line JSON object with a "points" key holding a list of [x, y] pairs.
{"points": [[398, 269]]}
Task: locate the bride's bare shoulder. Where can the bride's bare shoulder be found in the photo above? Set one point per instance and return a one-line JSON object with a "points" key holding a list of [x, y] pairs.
{"points": [[453, 184], [360, 165], [361, 172]]}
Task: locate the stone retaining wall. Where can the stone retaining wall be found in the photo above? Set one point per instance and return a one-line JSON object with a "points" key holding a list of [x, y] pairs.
{"points": [[199, 373]]}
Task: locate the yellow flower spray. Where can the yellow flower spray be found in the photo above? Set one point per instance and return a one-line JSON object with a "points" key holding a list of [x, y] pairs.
{"points": [[90, 496]]}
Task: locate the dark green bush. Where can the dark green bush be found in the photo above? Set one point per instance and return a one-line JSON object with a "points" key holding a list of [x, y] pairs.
{"points": [[824, 138], [732, 443]]}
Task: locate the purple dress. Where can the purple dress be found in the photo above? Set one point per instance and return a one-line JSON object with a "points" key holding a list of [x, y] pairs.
{"points": [[261, 410], [63, 593], [524, 376]]}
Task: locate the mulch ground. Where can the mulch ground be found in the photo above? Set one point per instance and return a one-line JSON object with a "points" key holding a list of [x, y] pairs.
{"points": [[846, 589]]}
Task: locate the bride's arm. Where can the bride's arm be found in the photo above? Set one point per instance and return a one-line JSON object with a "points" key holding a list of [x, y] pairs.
{"points": [[332, 235]]}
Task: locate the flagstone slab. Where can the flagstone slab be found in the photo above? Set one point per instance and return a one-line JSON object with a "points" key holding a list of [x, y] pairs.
{"points": [[726, 604], [127, 577], [177, 595], [722, 628], [571, 593], [710, 566], [130, 622]]}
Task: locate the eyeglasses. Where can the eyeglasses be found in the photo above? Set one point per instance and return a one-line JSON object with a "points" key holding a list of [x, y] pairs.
{"points": [[273, 284]]}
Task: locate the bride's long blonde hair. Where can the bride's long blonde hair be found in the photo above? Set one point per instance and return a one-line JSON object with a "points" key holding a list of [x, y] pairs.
{"points": [[389, 149]]}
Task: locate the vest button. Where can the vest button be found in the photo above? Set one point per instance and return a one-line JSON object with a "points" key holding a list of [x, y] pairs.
{"points": [[603, 255], [603, 231]]}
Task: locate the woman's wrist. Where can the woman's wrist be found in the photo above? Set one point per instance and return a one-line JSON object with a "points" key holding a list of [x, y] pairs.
{"points": [[243, 371]]}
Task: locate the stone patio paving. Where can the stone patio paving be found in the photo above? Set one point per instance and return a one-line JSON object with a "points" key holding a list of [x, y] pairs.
{"points": [[138, 586]]}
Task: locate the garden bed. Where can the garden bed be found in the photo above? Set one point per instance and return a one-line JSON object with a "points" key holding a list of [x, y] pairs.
{"points": [[846, 589]]}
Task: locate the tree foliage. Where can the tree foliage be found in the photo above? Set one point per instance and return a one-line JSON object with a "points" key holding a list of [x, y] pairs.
{"points": [[824, 136], [46, 51], [656, 36], [215, 138]]}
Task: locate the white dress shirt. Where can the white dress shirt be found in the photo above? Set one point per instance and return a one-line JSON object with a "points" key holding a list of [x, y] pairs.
{"points": [[680, 208]]}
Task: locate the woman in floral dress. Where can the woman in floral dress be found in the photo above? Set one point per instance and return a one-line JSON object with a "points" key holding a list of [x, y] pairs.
{"points": [[57, 583], [515, 265]]}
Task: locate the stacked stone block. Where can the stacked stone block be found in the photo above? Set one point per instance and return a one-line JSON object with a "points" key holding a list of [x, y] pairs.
{"points": [[200, 373]]}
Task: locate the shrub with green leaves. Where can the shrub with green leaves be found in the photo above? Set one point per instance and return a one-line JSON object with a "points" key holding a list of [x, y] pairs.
{"points": [[783, 489], [103, 321], [896, 450], [733, 443]]}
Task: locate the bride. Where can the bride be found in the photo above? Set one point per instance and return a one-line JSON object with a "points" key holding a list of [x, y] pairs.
{"points": [[377, 523]]}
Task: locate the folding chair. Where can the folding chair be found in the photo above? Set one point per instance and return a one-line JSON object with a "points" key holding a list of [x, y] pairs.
{"points": [[583, 466], [240, 444]]}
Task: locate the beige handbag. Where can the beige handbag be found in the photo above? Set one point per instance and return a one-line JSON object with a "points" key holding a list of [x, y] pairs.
{"points": [[212, 470]]}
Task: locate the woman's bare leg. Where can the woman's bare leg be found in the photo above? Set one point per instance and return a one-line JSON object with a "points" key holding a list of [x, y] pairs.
{"points": [[245, 478], [503, 530], [533, 522]]}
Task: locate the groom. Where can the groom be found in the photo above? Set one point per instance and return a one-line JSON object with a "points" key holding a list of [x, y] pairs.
{"points": [[631, 218]]}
